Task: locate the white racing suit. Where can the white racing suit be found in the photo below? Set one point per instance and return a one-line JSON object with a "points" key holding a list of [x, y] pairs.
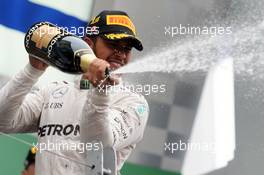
{"points": [[64, 113]]}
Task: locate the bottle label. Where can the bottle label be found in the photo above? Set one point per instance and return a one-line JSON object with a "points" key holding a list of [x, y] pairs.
{"points": [[30, 33], [40, 39], [85, 57], [43, 35]]}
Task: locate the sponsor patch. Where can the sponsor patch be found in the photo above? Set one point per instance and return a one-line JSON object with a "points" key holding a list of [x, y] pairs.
{"points": [[58, 129], [59, 92], [121, 20], [141, 109]]}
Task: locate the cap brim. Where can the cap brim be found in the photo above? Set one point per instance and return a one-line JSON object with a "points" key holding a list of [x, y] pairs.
{"points": [[135, 42]]}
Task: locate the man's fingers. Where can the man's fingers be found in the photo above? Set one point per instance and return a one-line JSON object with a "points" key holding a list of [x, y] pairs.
{"points": [[97, 71], [36, 63]]}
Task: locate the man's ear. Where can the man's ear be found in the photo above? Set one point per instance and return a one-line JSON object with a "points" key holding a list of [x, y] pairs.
{"points": [[89, 42]]}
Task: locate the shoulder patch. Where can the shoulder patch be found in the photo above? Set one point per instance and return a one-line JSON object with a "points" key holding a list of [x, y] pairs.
{"points": [[141, 109]]}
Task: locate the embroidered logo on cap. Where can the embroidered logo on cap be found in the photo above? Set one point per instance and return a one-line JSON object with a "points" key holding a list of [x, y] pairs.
{"points": [[95, 20], [121, 20]]}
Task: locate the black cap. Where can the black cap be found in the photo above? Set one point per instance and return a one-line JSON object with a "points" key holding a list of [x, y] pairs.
{"points": [[115, 25], [30, 159]]}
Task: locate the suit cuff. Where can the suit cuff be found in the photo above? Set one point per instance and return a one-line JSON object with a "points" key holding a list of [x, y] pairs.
{"points": [[32, 72]]}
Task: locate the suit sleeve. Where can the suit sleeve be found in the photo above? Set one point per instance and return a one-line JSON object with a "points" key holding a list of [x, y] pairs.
{"points": [[117, 125], [20, 105]]}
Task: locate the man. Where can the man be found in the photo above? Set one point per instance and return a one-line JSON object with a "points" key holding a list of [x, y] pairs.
{"points": [[29, 163], [63, 113]]}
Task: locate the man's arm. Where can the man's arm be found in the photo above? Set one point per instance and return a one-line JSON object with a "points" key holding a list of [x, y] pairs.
{"points": [[20, 106], [117, 125]]}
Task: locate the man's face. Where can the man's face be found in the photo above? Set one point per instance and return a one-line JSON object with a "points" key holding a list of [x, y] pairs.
{"points": [[116, 53]]}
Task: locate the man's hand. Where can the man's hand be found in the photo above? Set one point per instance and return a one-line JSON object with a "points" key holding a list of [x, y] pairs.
{"points": [[96, 74], [36, 63]]}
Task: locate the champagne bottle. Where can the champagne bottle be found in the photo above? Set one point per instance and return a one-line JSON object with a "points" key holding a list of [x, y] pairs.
{"points": [[58, 48]]}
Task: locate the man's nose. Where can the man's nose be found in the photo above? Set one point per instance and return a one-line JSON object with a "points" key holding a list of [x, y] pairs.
{"points": [[122, 54]]}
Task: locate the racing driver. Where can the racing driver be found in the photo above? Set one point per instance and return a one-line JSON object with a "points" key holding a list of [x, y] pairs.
{"points": [[71, 113]]}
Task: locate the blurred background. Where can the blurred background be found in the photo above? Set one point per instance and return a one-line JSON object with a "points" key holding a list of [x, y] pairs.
{"points": [[206, 105]]}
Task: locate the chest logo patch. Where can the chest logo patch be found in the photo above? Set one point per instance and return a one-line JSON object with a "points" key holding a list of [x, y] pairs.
{"points": [[60, 92]]}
